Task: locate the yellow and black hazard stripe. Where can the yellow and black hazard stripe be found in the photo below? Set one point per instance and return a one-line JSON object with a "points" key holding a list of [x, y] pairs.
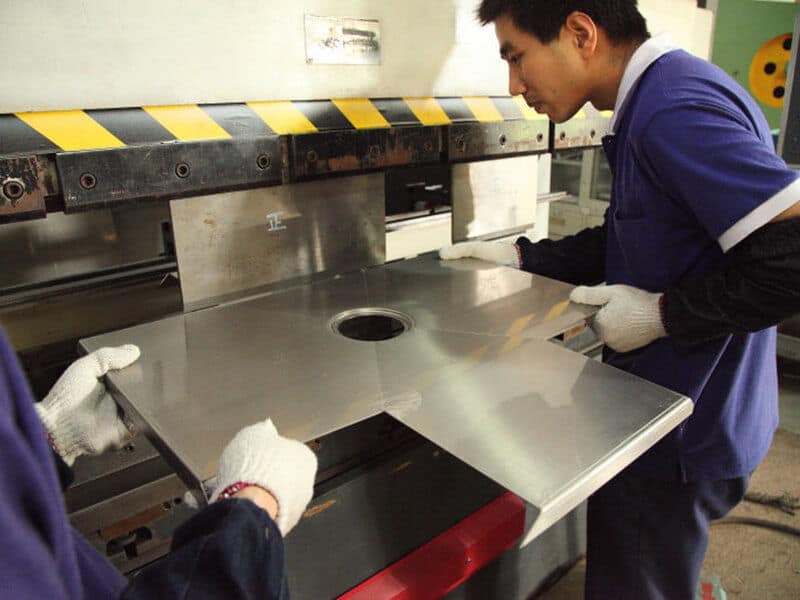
{"points": [[75, 130]]}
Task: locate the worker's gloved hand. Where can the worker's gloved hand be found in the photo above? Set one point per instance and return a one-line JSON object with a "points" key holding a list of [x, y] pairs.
{"points": [[286, 468], [630, 317], [78, 413], [502, 253]]}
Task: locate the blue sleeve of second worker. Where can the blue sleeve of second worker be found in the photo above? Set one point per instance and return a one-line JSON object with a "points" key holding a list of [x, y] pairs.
{"points": [[34, 534], [231, 549], [718, 163], [40, 555]]}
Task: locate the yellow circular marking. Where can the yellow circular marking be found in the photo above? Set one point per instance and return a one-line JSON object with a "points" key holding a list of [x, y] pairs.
{"points": [[768, 70]]}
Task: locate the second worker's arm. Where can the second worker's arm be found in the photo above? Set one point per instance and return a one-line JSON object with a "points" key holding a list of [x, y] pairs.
{"points": [[578, 259]]}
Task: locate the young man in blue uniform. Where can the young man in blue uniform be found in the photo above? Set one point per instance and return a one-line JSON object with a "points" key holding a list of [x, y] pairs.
{"points": [[700, 255], [231, 549]]}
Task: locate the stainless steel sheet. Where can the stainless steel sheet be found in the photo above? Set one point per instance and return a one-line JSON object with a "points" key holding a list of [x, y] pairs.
{"points": [[547, 423], [474, 374], [472, 296]]}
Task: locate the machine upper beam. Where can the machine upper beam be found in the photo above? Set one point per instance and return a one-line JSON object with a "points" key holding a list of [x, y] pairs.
{"points": [[101, 158]]}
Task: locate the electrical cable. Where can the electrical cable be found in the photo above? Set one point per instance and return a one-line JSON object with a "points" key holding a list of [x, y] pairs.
{"points": [[759, 523]]}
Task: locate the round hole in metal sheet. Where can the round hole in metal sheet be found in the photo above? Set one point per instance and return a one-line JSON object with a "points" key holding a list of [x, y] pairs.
{"points": [[371, 324]]}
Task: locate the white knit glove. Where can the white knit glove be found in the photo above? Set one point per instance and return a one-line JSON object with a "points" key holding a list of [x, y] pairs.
{"points": [[630, 317], [501, 253], [284, 467], [78, 413]]}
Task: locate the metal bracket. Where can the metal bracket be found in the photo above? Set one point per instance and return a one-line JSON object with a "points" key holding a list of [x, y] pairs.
{"points": [[469, 141], [100, 178], [22, 189], [580, 133]]}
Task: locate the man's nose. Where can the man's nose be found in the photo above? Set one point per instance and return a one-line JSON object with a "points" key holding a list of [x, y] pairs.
{"points": [[515, 84]]}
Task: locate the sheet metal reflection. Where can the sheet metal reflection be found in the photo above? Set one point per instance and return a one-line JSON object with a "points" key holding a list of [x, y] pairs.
{"points": [[474, 375], [550, 425]]}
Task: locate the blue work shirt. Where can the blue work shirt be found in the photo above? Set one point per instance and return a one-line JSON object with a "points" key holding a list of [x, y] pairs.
{"points": [[42, 556], [694, 172]]}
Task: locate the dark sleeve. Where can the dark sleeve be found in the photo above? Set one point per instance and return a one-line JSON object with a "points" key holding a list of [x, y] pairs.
{"points": [[65, 474], [231, 549], [758, 287], [579, 259]]}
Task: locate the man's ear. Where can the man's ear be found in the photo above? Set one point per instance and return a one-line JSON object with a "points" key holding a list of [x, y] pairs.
{"points": [[582, 31]]}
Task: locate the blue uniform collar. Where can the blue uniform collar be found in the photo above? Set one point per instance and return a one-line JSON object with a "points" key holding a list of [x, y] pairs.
{"points": [[645, 55]]}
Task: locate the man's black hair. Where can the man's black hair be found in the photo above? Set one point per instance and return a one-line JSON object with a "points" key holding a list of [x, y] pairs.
{"points": [[620, 19]]}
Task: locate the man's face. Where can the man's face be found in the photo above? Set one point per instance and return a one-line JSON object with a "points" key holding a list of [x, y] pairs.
{"points": [[550, 77]]}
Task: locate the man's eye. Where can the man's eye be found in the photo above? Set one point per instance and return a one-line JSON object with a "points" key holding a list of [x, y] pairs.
{"points": [[514, 60]]}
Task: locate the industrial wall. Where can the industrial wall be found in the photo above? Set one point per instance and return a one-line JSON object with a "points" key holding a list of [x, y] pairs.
{"points": [[82, 54]]}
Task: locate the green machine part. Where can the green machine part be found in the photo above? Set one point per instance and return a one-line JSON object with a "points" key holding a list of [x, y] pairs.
{"points": [[751, 35]]}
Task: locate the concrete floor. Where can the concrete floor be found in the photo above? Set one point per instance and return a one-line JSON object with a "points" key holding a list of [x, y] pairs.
{"points": [[752, 563], [790, 404]]}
